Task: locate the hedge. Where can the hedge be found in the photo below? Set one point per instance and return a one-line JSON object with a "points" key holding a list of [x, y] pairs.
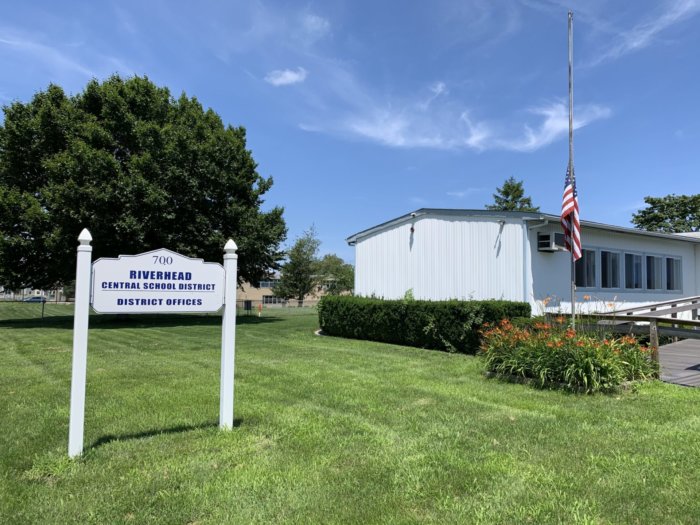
{"points": [[442, 325]]}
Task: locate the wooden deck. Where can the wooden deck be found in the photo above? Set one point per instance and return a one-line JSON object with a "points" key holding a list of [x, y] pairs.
{"points": [[680, 362]]}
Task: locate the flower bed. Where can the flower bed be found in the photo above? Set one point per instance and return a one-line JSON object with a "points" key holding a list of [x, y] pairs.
{"points": [[553, 356]]}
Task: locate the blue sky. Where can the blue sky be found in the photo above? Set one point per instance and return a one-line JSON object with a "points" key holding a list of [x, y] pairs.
{"points": [[363, 111]]}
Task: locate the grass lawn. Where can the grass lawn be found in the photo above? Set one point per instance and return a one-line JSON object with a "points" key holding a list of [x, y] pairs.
{"points": [[328, 431]]}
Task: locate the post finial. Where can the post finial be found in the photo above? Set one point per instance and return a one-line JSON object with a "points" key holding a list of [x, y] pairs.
{"points": [[84, 237], [230, 246]]}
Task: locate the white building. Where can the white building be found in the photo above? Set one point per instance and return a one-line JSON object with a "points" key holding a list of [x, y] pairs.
{"points": [[441, 254]]}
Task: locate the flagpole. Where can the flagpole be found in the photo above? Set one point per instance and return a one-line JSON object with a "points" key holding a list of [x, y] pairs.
{"points": [[571, 160]]}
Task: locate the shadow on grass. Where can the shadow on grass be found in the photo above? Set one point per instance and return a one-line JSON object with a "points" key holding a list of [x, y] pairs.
{"points": [[132, 321], [110, 438]]}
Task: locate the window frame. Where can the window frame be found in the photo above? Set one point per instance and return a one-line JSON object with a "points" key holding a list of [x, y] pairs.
{"points": [[642, 271], [619, 268], [662, 278], [596, 276], [622, 288], [679, 277], [272, 299]]}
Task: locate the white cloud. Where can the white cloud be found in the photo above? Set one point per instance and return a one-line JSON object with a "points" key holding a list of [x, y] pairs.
{"points": [[436, 89], [48, 55], [383, 126], [66, 63], [259, 30], [643, 34], [339, 102], [444, 127], [614, 33], [125, 20], [286, 77], [400, 129], [460, 194], [479, 133], [475, 24], [309, 127], [431, 123], [554, 125], [314, 27]]}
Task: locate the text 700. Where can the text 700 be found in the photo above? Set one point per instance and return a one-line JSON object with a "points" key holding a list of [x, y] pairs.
{"points": [[162, 259]]}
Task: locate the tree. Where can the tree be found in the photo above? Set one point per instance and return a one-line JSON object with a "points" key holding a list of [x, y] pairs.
{"points": [[511, 197], [336, 275], [140, 169], [670, 214], [299, 273]]}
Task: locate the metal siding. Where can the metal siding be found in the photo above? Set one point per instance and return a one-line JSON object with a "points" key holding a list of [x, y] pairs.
{"points": [[445, 258], [383, 264], [551, 271], [458, 257]]}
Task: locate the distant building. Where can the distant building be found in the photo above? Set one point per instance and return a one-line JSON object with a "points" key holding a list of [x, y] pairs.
{"points": [[481, 254], [264, 293], [26, 293]]}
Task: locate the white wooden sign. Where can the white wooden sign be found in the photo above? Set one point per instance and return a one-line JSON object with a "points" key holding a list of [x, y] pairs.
{"points": [[160, 281]]}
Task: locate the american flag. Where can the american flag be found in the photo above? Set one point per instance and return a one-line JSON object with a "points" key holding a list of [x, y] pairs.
{"points": [[569, 215]]}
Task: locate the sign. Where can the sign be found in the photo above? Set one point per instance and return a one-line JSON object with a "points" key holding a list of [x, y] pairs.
{"points": [[153, 282], [160, 281]]}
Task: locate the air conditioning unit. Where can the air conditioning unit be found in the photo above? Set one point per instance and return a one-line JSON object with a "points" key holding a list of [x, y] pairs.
{"points": [[550, 242]]}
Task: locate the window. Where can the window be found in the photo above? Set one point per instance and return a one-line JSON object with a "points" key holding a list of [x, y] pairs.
{"points": [[673, 273], [585, 269], [633, 271], [272, 299], [654, 274], [268, 284], [609, 269], [603, 268]]}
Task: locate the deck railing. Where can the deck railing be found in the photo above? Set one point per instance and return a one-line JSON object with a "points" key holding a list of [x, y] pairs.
{"points": [[662, 319]]}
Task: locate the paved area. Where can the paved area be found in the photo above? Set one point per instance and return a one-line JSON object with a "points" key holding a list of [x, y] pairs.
{"points": [[680, 362]]}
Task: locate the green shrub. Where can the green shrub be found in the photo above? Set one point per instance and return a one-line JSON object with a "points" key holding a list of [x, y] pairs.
{"points": [[557, 357], [443, 325]]}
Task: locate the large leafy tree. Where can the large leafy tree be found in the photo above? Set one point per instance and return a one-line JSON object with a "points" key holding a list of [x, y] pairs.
{"points": [[671, 214], [137, 167], [299, 273], [335, 274], [511, 197]]}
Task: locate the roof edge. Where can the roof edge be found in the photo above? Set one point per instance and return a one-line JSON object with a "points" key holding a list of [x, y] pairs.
{"points": [[444, 211], [523, 215]]}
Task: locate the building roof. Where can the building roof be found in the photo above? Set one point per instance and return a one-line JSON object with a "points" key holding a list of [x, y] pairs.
{"points": [[522, 215]]}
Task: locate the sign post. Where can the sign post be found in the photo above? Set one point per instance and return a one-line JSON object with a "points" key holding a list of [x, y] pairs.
{"points": [[160, 281], [228, 336], [80, 340]]}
